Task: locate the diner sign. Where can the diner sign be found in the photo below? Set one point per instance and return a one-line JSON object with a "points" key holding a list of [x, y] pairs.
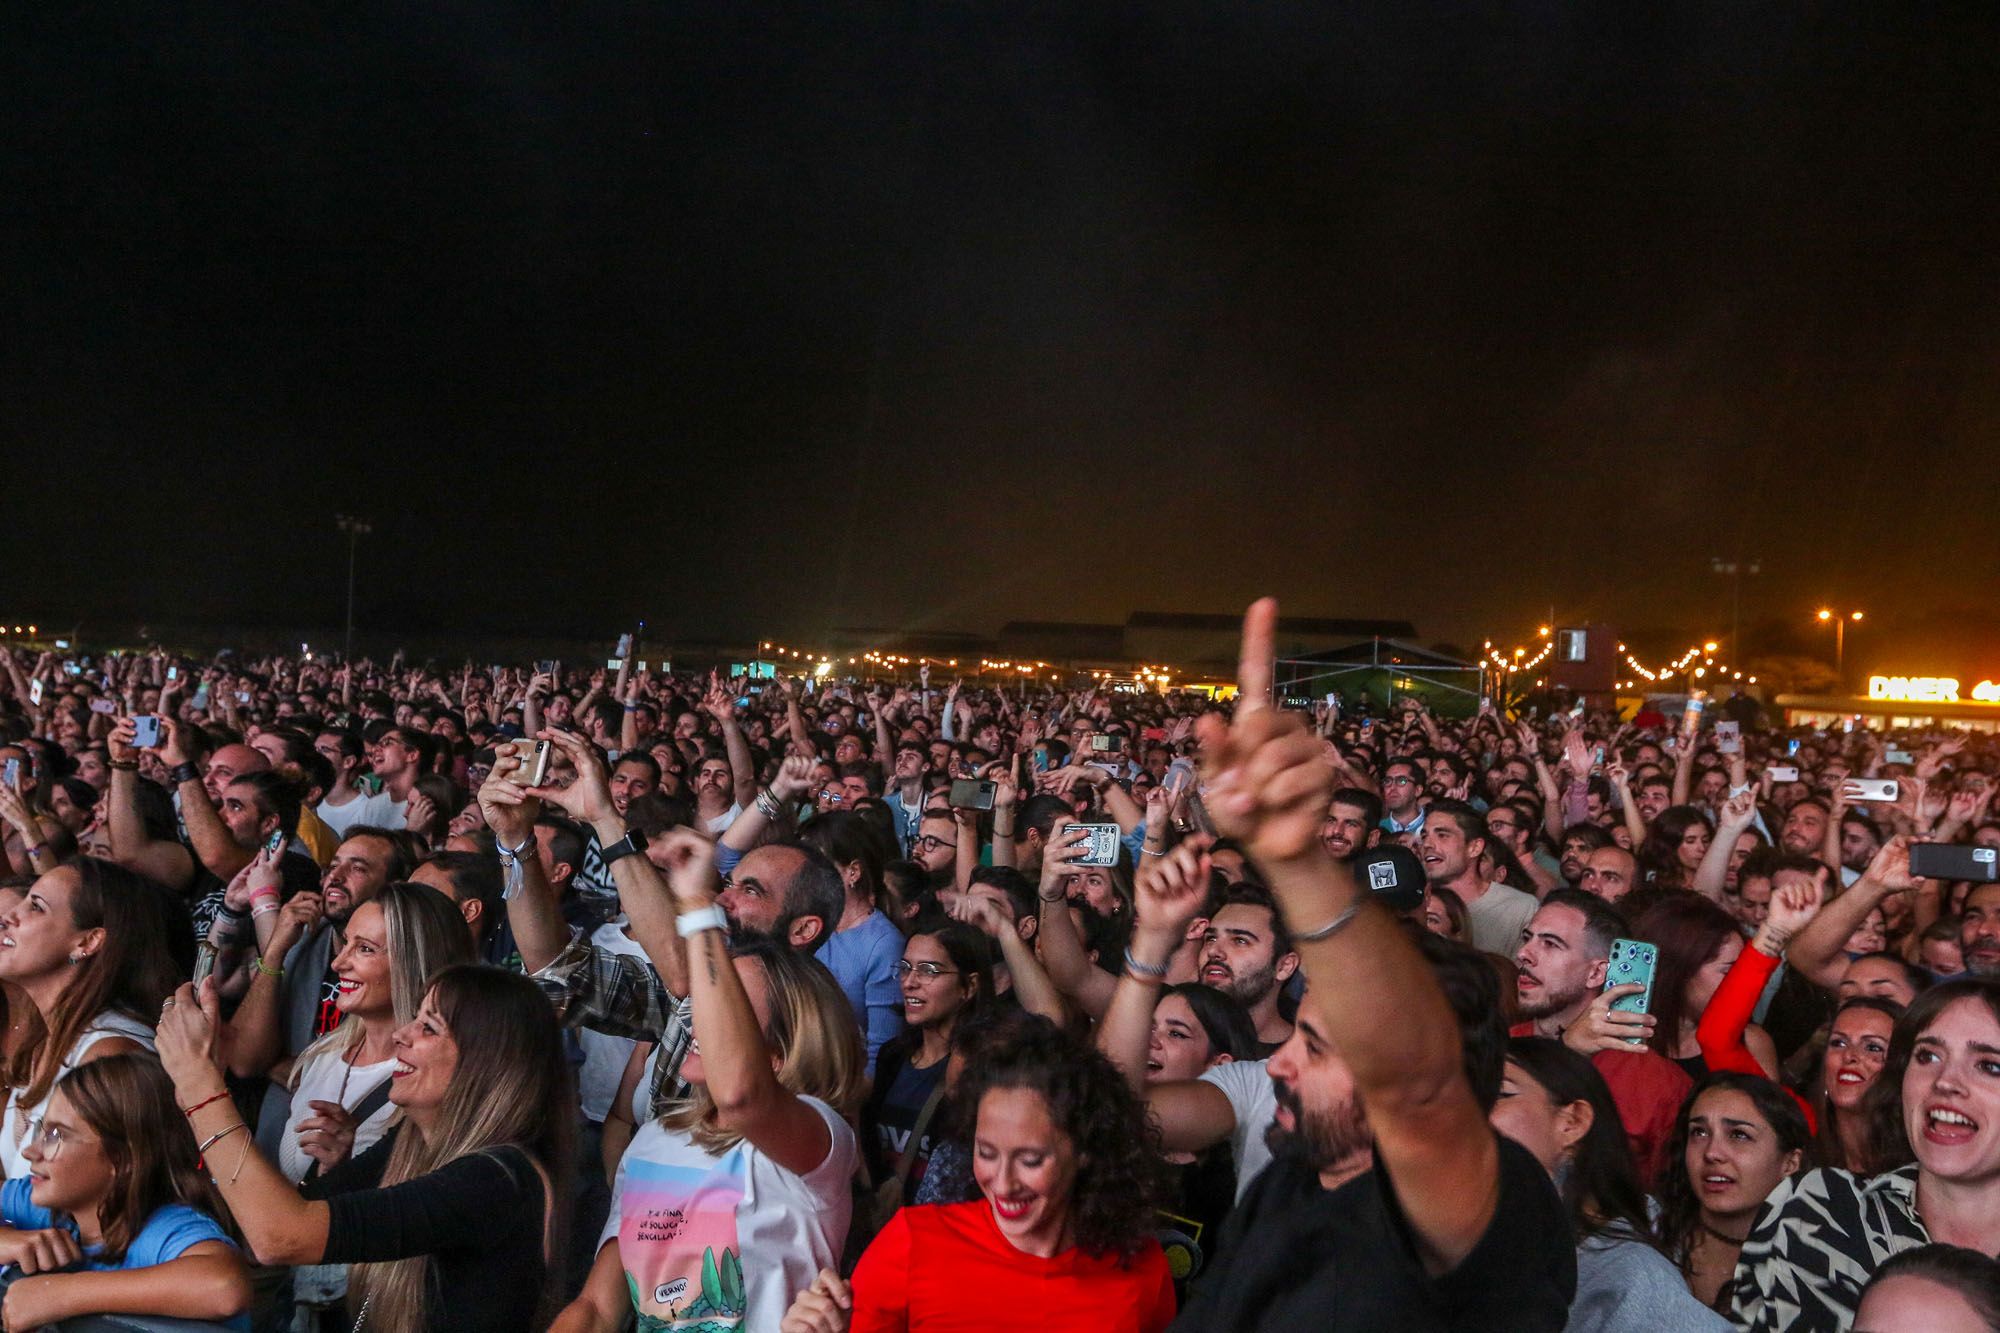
{"points": [[1930, 690]]}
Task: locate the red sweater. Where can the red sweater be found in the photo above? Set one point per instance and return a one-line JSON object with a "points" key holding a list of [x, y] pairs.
{"points": [[1720, 1032], [945, 1268]]}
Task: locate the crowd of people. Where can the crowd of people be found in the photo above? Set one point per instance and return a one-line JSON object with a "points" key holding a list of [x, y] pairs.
{"points": [[386, 997]]}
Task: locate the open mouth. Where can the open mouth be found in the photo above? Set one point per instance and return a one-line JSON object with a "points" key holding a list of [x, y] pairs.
{"points": [[1154, 1066], [403, 1069], [1012, 1210], [1849, 1078], [1717, 1184], [1215, 973], [346, 987], [1944, 1125]]}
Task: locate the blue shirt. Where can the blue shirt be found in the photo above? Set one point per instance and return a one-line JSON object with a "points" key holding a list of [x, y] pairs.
{"points": [[863, 960], [168, 1234]]}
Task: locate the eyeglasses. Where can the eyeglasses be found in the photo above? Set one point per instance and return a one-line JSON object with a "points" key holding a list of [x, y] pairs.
{"points": [[930, 842], [48, 1140], [928, 971], [1399, 780]]}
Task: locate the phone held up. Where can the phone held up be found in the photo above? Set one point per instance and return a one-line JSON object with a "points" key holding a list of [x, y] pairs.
{"points": [[1950, 861], [972, 794], [1869, 789], [1632, 962], [534, 755], [147, 731], [1102, 849]]}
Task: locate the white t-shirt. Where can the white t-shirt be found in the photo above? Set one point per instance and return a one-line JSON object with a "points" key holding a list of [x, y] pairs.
{"points": [[605, 1057], [377, 811], [23, 1121], [720, 824], [733, 1237], [1247, 1085], [322, 1081], [1496, 918]]}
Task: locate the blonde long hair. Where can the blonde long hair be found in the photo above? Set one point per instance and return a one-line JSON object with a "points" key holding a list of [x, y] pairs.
{"points": [[512, 1087], [813, 1032], [424, 932]]}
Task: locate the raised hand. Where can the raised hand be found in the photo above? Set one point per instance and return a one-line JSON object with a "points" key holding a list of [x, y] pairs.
{"points": [[1602, 1028], [1739, 812], [1793, 906], [1268, 781], [1169, 892], [587, 798]]}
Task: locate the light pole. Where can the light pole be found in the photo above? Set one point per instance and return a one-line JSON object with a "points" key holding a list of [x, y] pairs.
{"points": [[1839, 621], [356, 529], [1735, 569]]}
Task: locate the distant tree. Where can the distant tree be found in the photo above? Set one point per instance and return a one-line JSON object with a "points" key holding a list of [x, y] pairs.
{"points": [[1792, 675]]}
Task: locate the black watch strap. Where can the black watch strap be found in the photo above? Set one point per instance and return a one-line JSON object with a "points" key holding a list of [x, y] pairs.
{"points": [[631, 844]]}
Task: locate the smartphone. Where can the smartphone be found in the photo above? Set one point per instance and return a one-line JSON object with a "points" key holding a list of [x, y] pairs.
{"points": [[12, 774], [1792, 745], [624, 645], [35, 690], [204, 963], [243, 696], [613, 663], [106, 706], [147, 731], [1729, 737], [1893, 755], [1632, 961], [72, 669], [1292, 703], [173, 673], [1102, 849], [1784, 772], [1105, 743], [547, 666], [535, 755], [275, 844], [1869, 789], [1950, 861], [972, 794]]}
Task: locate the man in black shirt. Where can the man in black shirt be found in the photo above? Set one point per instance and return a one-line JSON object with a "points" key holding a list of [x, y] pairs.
{"points": [[1390, 1202]]}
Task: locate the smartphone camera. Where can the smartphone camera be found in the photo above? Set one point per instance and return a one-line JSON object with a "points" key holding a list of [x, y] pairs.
{"points": [[972, 794], [535, 756]]}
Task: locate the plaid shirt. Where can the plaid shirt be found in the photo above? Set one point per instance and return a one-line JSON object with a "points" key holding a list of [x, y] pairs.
{"points": [[622, 996]]}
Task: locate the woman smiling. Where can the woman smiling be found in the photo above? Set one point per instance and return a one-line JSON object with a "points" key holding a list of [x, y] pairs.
{"points": [[452, 1216], [1937, 1099], [1061, 1236]]}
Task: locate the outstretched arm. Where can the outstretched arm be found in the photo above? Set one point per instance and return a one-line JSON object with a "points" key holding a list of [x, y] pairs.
{"points": [[1269, 788]]}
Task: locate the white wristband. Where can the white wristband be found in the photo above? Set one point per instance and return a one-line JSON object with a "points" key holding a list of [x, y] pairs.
{"points": [[690, 924]]}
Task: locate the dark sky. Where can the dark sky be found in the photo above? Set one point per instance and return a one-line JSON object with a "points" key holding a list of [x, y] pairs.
{"points": [[755, 319]]}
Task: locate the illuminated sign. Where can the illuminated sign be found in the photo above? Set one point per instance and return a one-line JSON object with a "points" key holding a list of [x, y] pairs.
{"points": [[1929, 690]]}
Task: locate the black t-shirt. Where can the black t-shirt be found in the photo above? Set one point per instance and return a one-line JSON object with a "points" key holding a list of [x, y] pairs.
{"points": [[893, 1109], [479, 1217], [1295, 1255], [1190, 1223], [297, 873]]}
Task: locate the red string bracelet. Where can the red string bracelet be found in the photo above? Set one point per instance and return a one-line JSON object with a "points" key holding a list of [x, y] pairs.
{"points": [[190, 1110]]}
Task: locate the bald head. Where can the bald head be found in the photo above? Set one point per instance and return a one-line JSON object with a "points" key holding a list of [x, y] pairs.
{"points": [[228, 764], [1610, 873]]}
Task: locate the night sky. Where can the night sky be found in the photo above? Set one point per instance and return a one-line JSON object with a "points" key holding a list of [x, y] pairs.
{"points": [[758, 320]]}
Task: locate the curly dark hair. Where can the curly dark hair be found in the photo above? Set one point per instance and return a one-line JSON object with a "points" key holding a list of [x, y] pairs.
{"points": [[1119, 1176]]}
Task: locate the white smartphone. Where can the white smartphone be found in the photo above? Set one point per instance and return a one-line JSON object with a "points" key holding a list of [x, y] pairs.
{"points": [[1869, 789]]}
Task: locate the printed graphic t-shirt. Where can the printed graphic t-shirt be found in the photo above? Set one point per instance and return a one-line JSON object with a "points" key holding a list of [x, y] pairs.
{"points": [[716, 1244]]}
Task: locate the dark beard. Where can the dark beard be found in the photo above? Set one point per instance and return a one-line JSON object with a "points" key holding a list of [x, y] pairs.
{"points": [[1317, 1141]]}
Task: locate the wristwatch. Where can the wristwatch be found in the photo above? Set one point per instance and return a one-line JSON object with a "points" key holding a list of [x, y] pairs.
{"points": [[631, 844]]}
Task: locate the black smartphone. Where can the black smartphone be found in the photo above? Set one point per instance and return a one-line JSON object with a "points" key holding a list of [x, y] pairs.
{"points": [[1949, 861], [1105, 742], [972, 794]]}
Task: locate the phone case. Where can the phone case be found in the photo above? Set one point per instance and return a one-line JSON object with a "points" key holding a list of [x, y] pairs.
{"points": [[1102, 849], [1632, 961], [146, 731]]}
